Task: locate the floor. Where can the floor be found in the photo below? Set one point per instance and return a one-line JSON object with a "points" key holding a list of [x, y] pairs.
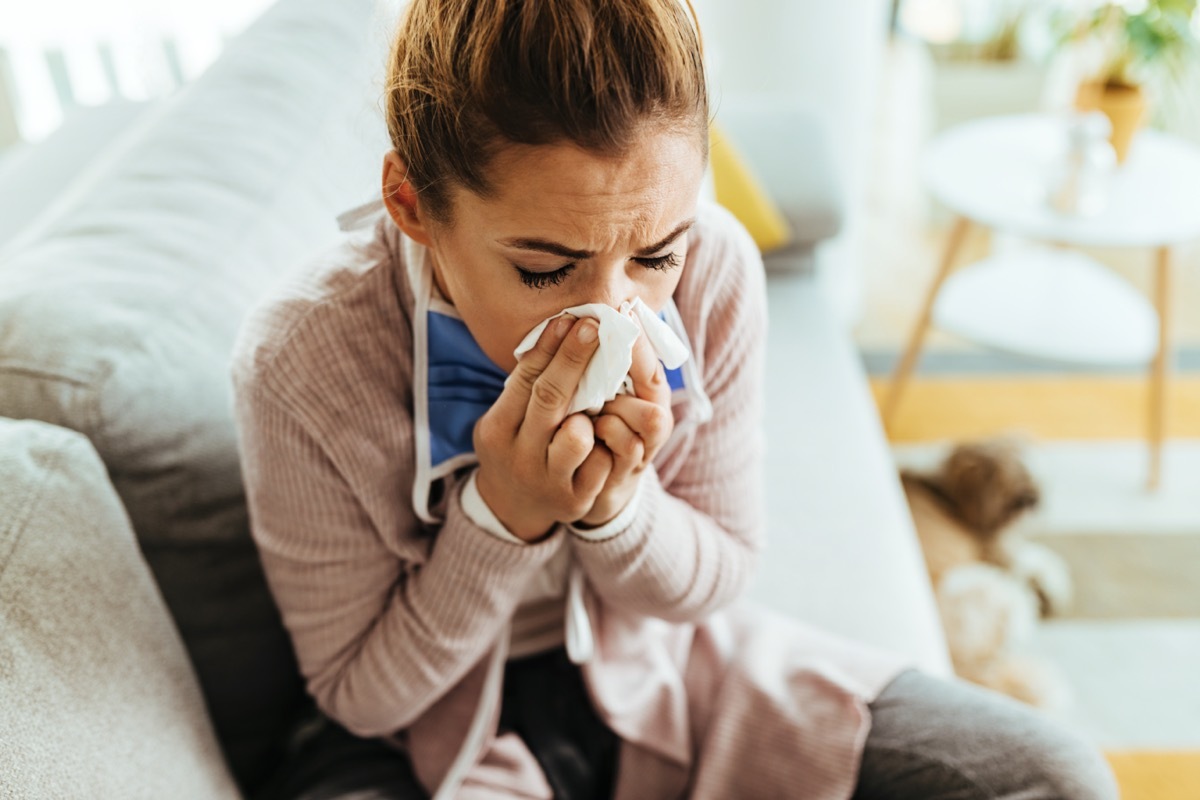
{"points": [[1130, 648], [1134, 682]]}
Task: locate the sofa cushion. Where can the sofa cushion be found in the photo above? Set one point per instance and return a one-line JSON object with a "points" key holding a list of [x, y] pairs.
{"points": [[117, 318], [98, 695]]}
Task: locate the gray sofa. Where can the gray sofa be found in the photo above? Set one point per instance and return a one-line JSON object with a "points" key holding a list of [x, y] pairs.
{"points": [[141, 654], [98, 697]]}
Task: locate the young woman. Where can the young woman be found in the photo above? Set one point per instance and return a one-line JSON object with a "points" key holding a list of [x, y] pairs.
{"points": [[492, 597]]}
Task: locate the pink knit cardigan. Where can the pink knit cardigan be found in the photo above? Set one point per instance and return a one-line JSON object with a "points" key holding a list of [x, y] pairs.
{"points": [[393, 620]]}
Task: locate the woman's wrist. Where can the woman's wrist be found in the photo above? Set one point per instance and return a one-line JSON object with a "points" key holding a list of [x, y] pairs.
{"points": [[528, 531]]}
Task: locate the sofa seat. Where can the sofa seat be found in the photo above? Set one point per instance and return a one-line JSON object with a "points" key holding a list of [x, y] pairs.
{"points": [[841, 550]]}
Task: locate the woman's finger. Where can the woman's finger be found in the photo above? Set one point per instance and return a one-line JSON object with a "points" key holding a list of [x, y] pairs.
{"points": [[650, 421], [592, 475], [570, 446], [552, 391], [649, 380], [626, 446], [514, 400]]}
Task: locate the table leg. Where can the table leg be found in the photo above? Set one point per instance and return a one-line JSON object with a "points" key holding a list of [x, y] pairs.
{"points": [[1156, 430], [904, 369]]}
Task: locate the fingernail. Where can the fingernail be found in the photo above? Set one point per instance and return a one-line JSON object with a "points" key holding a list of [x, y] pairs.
{"points": [[562, 325], [587, 332]]}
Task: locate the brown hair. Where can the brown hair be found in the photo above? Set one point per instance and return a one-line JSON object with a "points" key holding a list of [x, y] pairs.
{"points": [[466, 77]]}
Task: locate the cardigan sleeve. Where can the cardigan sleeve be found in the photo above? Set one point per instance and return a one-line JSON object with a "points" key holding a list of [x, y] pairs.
{"points": [[379, 637], [692, 546]]}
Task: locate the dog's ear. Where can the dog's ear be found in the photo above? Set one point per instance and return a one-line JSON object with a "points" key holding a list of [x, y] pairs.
{"points": [[945, 483], [964, 474], [988, 485]]}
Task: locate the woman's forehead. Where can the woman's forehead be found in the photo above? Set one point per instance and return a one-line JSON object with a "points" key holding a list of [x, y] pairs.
{"points": [[561, 189], [568, 169]]}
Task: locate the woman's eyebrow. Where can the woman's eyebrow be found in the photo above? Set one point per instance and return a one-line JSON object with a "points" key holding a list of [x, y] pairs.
{"points": [[554, 248], [680, 229]]}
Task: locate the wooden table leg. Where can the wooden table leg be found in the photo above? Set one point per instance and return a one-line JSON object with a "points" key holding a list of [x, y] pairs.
{"points": [[904, 369], [1157, 396]]}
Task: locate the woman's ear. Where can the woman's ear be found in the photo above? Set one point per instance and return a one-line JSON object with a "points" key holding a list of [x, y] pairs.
{"points": [[401, 199]]}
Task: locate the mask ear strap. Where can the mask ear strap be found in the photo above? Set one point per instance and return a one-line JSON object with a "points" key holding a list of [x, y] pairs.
{"points": [[357, 217]]}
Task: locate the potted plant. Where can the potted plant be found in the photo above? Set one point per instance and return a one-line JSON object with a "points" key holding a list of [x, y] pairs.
{"points": [[1137, 48]]}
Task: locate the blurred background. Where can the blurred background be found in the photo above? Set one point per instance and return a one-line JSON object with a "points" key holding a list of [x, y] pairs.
{"points": [[60, 56], [1063, 314]]}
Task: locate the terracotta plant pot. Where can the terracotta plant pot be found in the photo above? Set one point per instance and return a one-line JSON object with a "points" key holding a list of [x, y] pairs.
{"points": [[1125, 107]]}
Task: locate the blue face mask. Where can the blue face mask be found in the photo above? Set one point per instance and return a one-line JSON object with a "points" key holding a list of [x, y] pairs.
{"points": [[464, 383]]}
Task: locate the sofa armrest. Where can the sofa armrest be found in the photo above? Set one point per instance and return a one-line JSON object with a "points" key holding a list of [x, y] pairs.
{"points": [[789, 152], [99, 697]]}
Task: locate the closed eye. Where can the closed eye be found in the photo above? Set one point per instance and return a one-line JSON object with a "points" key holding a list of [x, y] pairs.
{"points": [[542, 280], [669, 261]]}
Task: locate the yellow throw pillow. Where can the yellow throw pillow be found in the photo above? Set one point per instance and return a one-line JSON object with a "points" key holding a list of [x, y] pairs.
{"points": [[739, 190]]}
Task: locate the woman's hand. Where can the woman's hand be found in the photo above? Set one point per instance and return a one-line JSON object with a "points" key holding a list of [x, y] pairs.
{"points": [[631, 429], [537, 465]]}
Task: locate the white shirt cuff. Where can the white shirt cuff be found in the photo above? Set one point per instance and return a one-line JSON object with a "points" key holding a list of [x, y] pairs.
{"points": [[615, 525], [480, 513]]}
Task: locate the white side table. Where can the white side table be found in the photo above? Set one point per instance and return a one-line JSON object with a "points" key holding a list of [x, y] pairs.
{"points": [[1058, 305]]}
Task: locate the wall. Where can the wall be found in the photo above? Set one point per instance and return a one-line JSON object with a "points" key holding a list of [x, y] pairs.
{"points": [[824, 56]]}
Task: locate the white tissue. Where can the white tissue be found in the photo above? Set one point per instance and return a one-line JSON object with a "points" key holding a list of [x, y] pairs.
{"points": [[607, 374]]}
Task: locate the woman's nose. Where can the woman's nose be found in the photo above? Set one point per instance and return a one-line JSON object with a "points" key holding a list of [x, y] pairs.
{"points": [[613, 286]]}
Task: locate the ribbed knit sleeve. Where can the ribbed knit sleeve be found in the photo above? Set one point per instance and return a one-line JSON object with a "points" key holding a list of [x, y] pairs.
{"points": [[379, 638], [693, 544]]}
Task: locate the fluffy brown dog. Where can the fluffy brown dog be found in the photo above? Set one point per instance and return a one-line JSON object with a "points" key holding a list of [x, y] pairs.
{"points": [[963, 508], [991, 585]]}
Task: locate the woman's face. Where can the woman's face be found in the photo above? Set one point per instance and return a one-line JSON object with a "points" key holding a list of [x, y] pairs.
{"points": [[565, 227]]}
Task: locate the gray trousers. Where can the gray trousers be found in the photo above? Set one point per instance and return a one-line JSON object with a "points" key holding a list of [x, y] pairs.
{"points": [[929, 740]]}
